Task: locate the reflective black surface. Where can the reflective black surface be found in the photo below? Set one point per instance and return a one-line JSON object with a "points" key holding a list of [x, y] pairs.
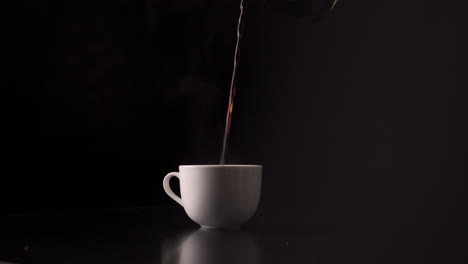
{"points": [[165, 235]]}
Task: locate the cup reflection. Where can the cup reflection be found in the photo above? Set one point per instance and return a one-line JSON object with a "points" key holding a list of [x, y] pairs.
{"points": [[212, 246]]}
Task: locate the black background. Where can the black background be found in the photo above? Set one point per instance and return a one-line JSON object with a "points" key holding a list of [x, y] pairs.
{"points": [[359, 118]]}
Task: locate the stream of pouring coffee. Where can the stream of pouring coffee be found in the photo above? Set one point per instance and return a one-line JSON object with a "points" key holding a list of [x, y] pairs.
{"points": [[232, 88]]}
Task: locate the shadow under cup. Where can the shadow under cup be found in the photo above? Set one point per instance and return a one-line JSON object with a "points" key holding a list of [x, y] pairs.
{"points": [[217, 196]]}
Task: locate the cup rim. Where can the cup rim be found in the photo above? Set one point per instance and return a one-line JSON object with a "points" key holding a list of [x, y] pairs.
{"points": [[221, 166]]}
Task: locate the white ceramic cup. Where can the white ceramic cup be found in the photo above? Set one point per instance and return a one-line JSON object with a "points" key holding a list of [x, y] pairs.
{"points": [[217, 196]]}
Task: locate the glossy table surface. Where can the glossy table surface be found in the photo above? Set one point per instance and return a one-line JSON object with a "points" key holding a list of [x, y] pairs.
{"points": [[165, 235]]}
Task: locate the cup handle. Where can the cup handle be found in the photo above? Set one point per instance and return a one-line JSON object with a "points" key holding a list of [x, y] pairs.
{"points": [[168, 189]]}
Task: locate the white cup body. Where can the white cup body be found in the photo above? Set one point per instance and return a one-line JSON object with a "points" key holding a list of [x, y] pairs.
{"points": [[218, 196]]}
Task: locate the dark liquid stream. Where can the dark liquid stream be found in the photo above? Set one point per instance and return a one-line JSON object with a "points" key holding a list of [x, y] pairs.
{"points": [[232, 88]]}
